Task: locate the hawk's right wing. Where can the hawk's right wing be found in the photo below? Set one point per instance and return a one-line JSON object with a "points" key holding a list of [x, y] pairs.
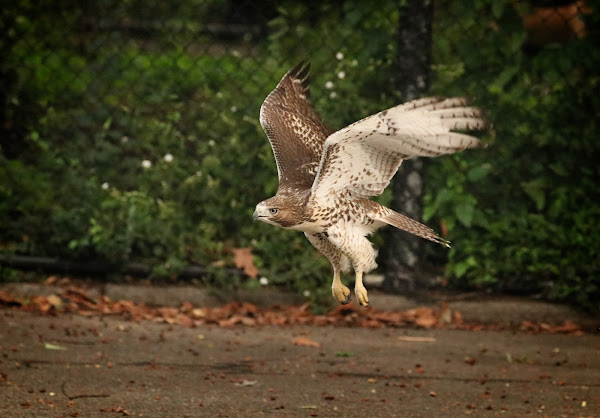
{"points": [[294, 129]]}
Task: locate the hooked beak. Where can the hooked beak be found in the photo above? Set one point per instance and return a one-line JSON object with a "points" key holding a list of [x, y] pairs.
{"points": [[260, 212]]}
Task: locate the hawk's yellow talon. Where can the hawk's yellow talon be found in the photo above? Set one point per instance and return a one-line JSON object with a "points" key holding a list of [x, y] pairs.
{"points": [[361, 295], [340, 292]]}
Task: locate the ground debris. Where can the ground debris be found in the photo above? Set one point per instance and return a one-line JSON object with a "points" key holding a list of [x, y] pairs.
{"points": [[244, 382], [306, 342], [75, 300]]}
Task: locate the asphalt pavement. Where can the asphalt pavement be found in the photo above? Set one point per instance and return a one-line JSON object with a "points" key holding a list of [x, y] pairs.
{"points": [[75, 366]]}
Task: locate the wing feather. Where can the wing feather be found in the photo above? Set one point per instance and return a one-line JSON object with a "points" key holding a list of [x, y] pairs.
{"points": [[294, 129], [363, 157]]}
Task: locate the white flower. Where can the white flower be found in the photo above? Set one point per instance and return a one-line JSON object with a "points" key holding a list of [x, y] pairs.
{"points": [[332, 95], [211, 143], [124, 139], [329, 85], [339, 56], [233, 109], [264, 281], [341, 75], [146, 163], [306, 293], [168, 158], [105, 185]]}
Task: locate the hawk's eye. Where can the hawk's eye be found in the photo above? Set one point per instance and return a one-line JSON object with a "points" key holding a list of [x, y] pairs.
{"points": [[273, 211]]}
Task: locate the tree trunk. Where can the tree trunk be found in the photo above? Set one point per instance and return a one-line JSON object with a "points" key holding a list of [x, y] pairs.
{"points": [[403, 261]]}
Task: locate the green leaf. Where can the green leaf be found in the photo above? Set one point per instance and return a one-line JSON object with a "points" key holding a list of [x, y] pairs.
{"points": [[441, 197], [459, 269], [464, 213], [107, 123], [428, 212], [479, 172], [498, 8], [497, 87], [185, 63], [535, 190], [211, 162]]}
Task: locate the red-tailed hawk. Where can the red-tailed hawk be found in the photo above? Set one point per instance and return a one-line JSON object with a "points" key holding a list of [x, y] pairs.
{"points": [[327, 177]]}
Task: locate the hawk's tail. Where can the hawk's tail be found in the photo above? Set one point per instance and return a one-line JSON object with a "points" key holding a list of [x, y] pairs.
{"points": [[388, 216]]}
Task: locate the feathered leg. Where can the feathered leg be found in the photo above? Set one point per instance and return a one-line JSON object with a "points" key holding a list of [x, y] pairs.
{"points": [[360, 252], [338, 261]]}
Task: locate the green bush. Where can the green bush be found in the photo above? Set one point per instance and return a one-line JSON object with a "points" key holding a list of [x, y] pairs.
{"points": [[522, 212]]}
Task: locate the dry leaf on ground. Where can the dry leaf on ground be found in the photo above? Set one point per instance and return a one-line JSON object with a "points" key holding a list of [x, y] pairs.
{"points": [[416, 339], [76, 300], [307, 342]]}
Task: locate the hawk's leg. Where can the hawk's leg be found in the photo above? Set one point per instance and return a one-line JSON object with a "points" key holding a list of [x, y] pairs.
{"points": [[362, 255], [338, 261], [360, 291], [340, 292]]}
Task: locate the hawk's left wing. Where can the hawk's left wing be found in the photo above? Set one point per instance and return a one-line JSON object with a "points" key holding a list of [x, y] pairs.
{"points": [[363, 157], [294, 129]]}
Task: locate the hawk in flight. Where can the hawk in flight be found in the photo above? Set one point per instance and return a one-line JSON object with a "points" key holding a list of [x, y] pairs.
{"points": [[326, 177]]}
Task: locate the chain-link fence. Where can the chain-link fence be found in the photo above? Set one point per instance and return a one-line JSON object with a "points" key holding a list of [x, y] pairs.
{"points": [[130, 129]]}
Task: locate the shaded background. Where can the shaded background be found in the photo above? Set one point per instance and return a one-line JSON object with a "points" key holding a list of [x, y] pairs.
{"points": [[130, 133]]}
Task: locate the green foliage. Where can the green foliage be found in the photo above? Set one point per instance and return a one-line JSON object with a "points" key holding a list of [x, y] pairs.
{"points": [[521, 214], [152, 151]]}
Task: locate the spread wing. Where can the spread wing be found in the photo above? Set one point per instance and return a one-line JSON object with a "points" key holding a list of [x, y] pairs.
{"points": [[363, 157], [294, 129]]}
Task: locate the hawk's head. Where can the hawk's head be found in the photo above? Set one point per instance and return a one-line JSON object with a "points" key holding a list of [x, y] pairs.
{"points": [[278, 212]]}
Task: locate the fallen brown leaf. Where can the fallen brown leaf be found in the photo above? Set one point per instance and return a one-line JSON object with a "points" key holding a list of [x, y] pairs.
{"points": [[424, 317], [445, 315], [245, 383], [51, 280], [416, 339], [76, 300], [307, 342], [6, 300]]}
